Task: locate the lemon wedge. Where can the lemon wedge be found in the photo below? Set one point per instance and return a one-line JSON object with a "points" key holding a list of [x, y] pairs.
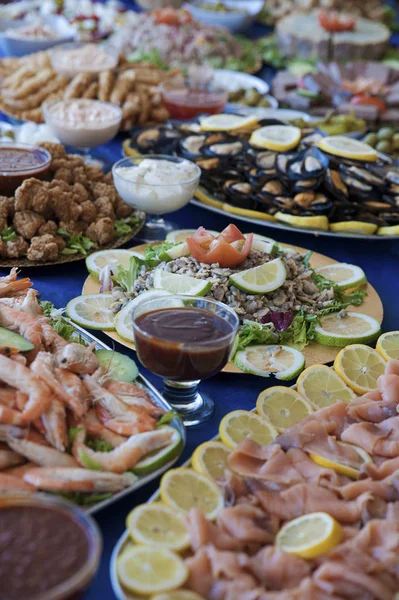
{"points": [[388, 230], [388, 345], [282, 407], [158, 525], [184, 489], [321, 386], [180, 284], [149, 570], [316, 222], [310, 536], [240, 424], [113, 258], [279, 138], [360, 367], [210, 458], [354, 227], [341, 329], [261, 280], [347, 147], [227, 122], [360, 458]]}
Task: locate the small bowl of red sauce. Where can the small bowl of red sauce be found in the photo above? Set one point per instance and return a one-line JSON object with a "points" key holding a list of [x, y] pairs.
{"points": [[19, 162], [49, 548], [186, 103]]}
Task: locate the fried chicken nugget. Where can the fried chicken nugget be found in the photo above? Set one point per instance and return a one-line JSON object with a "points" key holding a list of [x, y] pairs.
{"points": [[102, 231], [124, 84], [17, 247], [91, 91], [33, 194], [43, 248], [27, 223], [57, 151], [106, 82], [77, 86]]}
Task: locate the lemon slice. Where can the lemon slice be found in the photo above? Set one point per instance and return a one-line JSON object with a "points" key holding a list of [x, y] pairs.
{"points": [[282, 407], [317, 222], [321, 386], [241, 424], [123, 320], [276, 137], [283, 361], [210, 458], [184, 489], [360, 367], [180, 284], [310, 536], [343, 274], [92, 311], [343, 328], [227, 122], [158, 525], [180, 235], [352, 469], [264, 246], [388, 230], [159, 458], [98, 260], [388, 345], [178, 595], [261, 280], [148, 570], [178, 251], [341, 145], [354, 227]]}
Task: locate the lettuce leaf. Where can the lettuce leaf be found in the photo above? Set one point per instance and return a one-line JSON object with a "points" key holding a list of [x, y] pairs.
{"points": [[154, 255], [254, 333], [83, 498], [125, 278], [301, 331]]}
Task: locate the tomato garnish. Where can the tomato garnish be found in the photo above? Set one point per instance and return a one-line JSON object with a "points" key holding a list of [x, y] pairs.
{"points": [[170, 16], [332, 21], [363, 100], [228, 249]]}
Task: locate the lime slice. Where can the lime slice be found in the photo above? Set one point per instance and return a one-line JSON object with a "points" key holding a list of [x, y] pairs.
{"points": [[98, 260], [264, 246], [92, 311], [343, 328], [227, 122], [310, 536], [158, 525], [276, 137], [341, 145], [343, 274], [317, 222], [123, 320], [180, 284], [159, 458], [261, 280], [180, 235], [354, 227], [284, 362], [388, 345], [178, 251]]}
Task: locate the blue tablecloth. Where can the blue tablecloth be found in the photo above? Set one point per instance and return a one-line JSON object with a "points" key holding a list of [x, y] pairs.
{"points": [[379, 259]]}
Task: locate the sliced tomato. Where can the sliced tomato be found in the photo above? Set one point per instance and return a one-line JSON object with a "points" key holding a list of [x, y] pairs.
{"points": [[228, 249], [332, 21], [170, 16], [363, 100]]}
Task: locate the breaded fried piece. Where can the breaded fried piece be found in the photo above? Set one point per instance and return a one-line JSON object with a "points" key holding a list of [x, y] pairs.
{"points": [[78, 85], [49, 227], [104, 190], [102, 231], [131, 106], [122, 209], [123, 86], [14, 80], [30, 85], [89, 211], [104, 207], [36, 99], [148, 76], [91, 91], [145, 107], [43, 248], [33, 194], [57, 151], [27, 223], [35, 115], [80, 193], [17, 247], [106, 82]]}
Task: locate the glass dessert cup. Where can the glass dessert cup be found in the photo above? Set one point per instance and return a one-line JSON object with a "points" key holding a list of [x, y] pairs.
{"points": [[74, 58], [71, 123], [158, 198], [187, 102], [185, 339]]}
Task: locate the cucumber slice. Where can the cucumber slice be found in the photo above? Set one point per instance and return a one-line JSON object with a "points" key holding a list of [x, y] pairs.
{"points": [[157, 459], [14, 340], [119, 366]]}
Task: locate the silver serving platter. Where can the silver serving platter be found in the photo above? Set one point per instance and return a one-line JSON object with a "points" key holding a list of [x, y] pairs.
{"points": [[158, 400], [281, 226]]}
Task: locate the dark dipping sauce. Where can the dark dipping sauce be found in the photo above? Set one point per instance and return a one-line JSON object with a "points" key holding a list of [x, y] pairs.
{"points": [[17, 164], [40, 548], [183, 344]]}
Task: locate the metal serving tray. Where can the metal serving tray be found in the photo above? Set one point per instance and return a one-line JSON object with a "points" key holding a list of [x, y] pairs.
{"points": [[158, 400]]}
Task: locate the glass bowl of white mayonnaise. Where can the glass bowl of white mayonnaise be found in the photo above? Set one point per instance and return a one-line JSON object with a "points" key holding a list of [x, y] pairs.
{"points": [[157, 184]]}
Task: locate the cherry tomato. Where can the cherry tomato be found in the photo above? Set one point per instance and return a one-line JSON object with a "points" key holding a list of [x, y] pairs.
{"points": [[332, 21], [229, 249], [362, 100]]}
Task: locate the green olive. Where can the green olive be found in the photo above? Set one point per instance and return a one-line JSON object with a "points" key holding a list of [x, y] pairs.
{"points": [[385, 133], [395, 141], [252, 97], [371, 139], [384, 146]]}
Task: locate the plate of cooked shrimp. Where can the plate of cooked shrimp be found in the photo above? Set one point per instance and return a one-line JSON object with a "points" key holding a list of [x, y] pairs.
{"points": [[76, 418]]}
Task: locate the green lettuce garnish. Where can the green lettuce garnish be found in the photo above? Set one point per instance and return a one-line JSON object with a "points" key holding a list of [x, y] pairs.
{"points": [[154, 255], [75, 243], [254, 333], [125, 278], [301, 331]]}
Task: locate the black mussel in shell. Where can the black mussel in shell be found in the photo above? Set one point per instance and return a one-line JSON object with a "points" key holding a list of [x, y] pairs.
{"points": [[191, 146], [239, 193], [335, 186], [368, 217], [376, 206], [355, 187], [155, 139], [344, 211], [294, 168], [314, 163], [365, 176], [303, 185], [266, 161], [273, 188], [282, 162], [224, 149], [209, 165], [313, 202], [390, 218], [304, 199], [257, 177], [392, 200], [392, 177], [283, 202], [312, 139]]}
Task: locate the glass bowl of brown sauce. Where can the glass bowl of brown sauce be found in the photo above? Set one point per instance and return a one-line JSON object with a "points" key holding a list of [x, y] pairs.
{"points": [[185, 339], [49, 548]]}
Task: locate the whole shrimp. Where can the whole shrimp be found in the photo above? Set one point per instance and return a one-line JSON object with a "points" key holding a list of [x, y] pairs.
{"points": [[24, 324], [11, 286], [95, 428], [78, 480], [39, 454], [11, 483], [54, 421], [134, 396]]}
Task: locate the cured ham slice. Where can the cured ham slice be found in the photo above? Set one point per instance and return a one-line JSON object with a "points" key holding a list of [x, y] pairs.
{"points": [[381, 439]]}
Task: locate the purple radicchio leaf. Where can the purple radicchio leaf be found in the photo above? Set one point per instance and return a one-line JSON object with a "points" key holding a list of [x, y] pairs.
{"points": [[280, 320]]}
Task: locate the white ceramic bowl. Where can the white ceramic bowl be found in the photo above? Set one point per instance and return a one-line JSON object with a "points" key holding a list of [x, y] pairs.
{"points": [[14, 45], [236, 21]]}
